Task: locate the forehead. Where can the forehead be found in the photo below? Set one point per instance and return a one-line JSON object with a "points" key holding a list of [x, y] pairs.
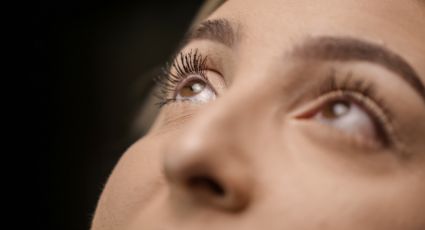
{"points": [[385, 9], [274, 25]]}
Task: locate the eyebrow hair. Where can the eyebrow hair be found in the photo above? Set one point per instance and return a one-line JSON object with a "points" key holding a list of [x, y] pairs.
{"points": [[218, 30], [323, 47], [352, 49]]}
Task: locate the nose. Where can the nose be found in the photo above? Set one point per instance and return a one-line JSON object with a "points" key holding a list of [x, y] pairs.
{"points": [[209, 164]]}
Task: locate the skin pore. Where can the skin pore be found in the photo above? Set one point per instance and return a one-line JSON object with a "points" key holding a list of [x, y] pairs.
{"points": [[282, 114]]}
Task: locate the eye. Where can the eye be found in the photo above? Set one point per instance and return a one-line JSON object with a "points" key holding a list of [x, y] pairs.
{"points": [[347, 116], [195, 89]]}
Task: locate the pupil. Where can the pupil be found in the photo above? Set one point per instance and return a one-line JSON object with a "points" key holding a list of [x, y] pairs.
{"points": [[336, 109]]}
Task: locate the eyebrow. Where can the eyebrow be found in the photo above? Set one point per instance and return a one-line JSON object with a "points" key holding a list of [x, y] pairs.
{"points": [[217, 30], [352, 49], [326, 48]]}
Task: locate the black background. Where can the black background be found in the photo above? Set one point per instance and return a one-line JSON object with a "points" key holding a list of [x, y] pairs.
{"points": [[94, 62]]}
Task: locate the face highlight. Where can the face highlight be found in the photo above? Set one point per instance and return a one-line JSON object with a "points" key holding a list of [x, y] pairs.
{"points": [[284, 115]]}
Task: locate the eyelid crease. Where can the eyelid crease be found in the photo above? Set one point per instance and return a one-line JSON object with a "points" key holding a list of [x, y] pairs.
{"points": [[359, 92], [351, 84], [329, 48]]}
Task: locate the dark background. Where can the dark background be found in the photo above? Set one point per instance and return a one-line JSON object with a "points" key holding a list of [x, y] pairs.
{"points": [[95, 63]]}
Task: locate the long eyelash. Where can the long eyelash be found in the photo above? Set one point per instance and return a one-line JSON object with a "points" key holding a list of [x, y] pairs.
{"points": [[368, 90], [331, 84], [183, 65]]}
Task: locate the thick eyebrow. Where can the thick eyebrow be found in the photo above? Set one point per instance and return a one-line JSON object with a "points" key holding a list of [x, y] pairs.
{"points": [[218, 30], [326, 48], [352, 49]]}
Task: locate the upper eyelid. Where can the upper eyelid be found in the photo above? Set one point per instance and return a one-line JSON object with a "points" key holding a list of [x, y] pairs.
{"points": [[348, 81], [207, 65], [329, 48], [176, 72], [384, 117]]}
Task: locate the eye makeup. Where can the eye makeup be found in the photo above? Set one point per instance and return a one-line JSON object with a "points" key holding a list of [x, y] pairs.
{"points": [[186, 65], [362, 93], [189, 69]]}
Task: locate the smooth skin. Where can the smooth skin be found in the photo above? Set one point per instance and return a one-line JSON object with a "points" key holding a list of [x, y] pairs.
{"points": [[254, 163]]}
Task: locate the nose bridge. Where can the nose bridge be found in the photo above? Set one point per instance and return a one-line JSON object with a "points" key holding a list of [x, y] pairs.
{"points": [[238, 111], [231, 117], [234, 123], [217, 136], [211, 159]]}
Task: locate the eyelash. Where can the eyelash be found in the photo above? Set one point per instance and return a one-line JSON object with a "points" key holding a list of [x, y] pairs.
{"points": [[172, 76], [364, 94], [194, 63]]}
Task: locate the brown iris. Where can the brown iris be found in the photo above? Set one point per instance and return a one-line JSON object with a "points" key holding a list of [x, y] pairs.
{"points": [[192, 88], [336, 109]]}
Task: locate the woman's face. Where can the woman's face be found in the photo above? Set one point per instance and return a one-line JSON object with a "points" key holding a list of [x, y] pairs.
{"points": [[284, 114]]}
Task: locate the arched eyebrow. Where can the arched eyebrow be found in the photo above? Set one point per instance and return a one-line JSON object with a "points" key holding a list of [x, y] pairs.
{"points": [[346, 49], [327, 48]]}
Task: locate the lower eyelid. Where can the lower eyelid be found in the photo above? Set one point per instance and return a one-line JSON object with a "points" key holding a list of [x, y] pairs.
{"points": [[377, 114], [331, 138]]}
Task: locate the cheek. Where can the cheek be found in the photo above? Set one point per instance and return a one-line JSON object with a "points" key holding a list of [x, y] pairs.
{"points": [[134, 183], [348, 205], [335, 189]]}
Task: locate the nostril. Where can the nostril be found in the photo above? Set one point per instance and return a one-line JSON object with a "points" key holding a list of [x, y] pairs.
{"points": [[201, 181], [206, 185], [208, 190]]}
